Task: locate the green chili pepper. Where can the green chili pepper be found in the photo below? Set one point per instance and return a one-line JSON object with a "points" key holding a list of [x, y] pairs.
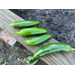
{"points": [[51, 48], [38, 39], [31, 31], [24, 23]]}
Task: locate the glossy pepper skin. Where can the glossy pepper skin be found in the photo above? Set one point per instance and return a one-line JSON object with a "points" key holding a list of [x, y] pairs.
{"points": [[38, 39], [51, 48], [24, 23], [31, 31]]}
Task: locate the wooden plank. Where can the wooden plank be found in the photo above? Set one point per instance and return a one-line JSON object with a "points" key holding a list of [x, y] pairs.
{"points": [[59, 58], [7, 38]]}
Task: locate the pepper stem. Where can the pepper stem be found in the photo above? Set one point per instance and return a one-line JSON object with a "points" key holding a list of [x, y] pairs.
{"points": [[17, 33], [28, 60], [72, 49], [11, 25], [34, 62]]}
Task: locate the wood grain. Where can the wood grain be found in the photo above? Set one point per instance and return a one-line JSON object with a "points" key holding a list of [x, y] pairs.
{"points": [[59, 58]]}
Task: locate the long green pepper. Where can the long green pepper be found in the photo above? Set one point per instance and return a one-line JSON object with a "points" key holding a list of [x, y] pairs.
{"points": [[38, 39], [24, 23], [52, 48], [31, 31]]}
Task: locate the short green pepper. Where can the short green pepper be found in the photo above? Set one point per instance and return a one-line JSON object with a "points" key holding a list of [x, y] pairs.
{"points": [[38, 39], [51, 48], [24, 23], [31, 31]]}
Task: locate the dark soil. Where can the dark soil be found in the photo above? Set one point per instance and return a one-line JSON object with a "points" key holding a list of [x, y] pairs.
{"points": [[15, 55], [59, 23]]}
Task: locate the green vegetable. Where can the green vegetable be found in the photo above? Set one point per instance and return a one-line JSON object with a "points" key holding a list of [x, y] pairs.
{"points": [[24, 23], [31, 31], [38, 39], [50, 48]]}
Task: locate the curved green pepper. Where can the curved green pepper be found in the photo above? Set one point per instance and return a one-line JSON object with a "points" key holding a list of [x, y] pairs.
{"points": [[24, 23], [38, 39], [31, 31], [51, 48]]}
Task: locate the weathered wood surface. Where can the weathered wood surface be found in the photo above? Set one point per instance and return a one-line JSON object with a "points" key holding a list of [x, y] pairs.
{"points": [[60, 58], [7, 38]]}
